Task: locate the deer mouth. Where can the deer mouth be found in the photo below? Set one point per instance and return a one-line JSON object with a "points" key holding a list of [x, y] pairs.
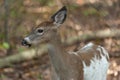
{"points": [[25, 43]]}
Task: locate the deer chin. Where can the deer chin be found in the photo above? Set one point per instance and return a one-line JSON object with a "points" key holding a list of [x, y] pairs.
{"points": [[29, 45]]}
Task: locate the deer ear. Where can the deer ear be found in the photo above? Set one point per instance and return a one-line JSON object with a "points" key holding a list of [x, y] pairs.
{"points": [[60, 16]]}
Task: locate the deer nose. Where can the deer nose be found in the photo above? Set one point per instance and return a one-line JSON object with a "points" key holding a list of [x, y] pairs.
{"points": [[25, 43]]}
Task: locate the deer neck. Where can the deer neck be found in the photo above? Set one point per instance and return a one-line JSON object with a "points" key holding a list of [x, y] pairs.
{"points": [[58, 55]]}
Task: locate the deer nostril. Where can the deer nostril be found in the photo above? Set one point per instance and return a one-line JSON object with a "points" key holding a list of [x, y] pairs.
{"points": [[25, 43]]}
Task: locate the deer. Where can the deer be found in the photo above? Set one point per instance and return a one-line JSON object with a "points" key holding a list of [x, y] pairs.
{"points": [[91, 62]]}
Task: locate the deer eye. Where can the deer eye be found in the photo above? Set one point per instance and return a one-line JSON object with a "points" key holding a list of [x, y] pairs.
{"points": [[40, 30]]}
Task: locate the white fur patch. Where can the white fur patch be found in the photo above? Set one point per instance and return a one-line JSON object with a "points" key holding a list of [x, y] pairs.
{"points": [[73, 53], [98, 67], [88, 46]]}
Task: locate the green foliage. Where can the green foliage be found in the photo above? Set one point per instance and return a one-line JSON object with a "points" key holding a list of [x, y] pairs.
{"points": [[46, 2], [39, 77], [104, 13], [2, 76], [2, 35], [16, 9], [90, 11], [93, 11], [6, 45], [13, 13], [73, 6], [2, 16], [21, 49]]}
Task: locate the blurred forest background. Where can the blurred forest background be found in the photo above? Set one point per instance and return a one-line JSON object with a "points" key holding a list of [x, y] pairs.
{"points": [[95, 21]]}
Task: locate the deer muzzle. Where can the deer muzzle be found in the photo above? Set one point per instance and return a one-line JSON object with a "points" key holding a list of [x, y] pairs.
{"points": [[25, 43]]}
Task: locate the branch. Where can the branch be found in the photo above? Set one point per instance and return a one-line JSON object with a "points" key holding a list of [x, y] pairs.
{"points": [[6, 20], [27, 55], [101, 34], [30, 54]]}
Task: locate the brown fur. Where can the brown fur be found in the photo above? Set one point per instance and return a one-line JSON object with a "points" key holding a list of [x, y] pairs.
{"points": [[67, 66]]}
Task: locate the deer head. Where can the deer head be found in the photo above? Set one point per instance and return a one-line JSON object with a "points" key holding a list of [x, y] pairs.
{"points": [[43, 31]]}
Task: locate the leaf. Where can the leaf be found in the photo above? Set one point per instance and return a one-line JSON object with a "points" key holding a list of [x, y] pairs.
{"points": [[6, 45], [90, 11], [2, 76], [21, 49]]}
